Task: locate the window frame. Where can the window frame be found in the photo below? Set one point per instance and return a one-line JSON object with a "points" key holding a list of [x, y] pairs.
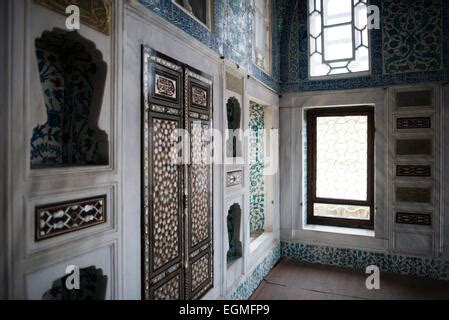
{"points": [[311, 144], [209, 14], [269, 41], [354, 30]]}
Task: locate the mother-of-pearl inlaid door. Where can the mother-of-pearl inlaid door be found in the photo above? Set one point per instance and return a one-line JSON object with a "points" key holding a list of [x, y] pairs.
{"points": [[176, 187]]}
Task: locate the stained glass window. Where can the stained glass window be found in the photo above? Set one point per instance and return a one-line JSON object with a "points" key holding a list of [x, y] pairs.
{"points": [[340, 166], [338, 37]]}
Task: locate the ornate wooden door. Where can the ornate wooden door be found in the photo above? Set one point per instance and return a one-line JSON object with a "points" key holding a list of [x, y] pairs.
{"points": [[198, 99], [177, 258]]}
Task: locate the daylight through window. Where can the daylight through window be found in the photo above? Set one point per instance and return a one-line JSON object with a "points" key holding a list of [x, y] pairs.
{"points": [[340, 144], [338, 37]]}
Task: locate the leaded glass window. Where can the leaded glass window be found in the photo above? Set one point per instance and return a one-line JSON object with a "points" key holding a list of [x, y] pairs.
{"points": [[338, 37]]}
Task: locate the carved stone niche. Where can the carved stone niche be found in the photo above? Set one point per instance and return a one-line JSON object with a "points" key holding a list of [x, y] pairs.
{"points": [[234, 221], [72, 75], [233, 145]]}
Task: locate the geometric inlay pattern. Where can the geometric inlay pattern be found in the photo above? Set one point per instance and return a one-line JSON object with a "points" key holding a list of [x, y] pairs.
{"points": [[200, 271], [234, 178], [413, 218], [414, 123], [169, 290], [165, 86], [199, 97], [165, 193], [176, 193], [199, 175], [63, 218], [413, 171]]}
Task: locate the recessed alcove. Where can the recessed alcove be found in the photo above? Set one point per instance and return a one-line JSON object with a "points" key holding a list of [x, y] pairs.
{"points": [[261, 178], [233, 144], [233, 222], [72, 74]]}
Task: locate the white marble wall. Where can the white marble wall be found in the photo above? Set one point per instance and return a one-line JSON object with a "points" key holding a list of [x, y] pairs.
{"points": [[169, 40], [32, 266], [116, 245], [293, 228], [387, 237]]}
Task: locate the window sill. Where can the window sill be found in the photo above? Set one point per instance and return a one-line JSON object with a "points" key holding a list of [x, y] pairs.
{"points": [[340, 230], [254, 244]]}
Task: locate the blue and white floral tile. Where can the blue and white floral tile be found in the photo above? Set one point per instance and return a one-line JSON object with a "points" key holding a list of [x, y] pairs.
{"points": [[247, 287], [231, 35], [256, 177], [360, 259]]}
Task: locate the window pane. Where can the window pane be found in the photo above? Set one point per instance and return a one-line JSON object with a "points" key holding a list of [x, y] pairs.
{"points": [[338, 43], [361, 63], [342, 158], [314, 5], [315, 24], [337, 11], [198, 8], [317, 68], [341, 211], [260, 32], [361, 16]]}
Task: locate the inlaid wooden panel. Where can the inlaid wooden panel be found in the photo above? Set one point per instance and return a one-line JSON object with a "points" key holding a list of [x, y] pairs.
{"points": [[61, 218], [200, 272], [177, 195], [199, 177], [413, 171], [409, 147], [234, 178], [170, 289], [414, 218], [414, 123], [413, 195], [162, 180], [166, 181], [164, 82]]}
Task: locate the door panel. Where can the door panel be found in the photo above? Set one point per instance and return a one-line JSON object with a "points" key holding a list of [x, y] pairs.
{"points": [[177, 260], [162, 219], [199, 176]]}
